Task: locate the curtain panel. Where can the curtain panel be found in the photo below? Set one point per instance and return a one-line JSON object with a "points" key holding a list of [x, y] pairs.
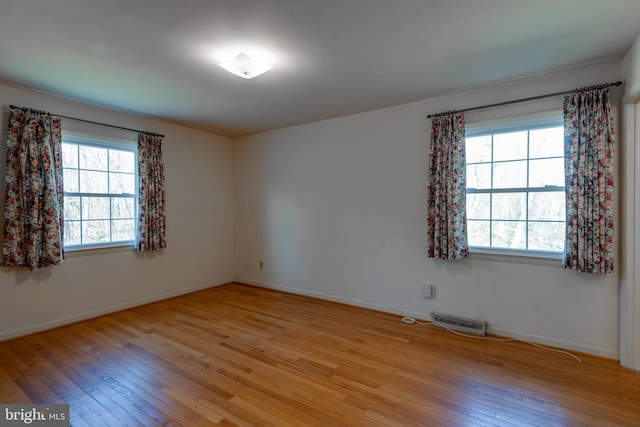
{"points": [[589, 148], [151, 216], [447, 217], [34, 196]]}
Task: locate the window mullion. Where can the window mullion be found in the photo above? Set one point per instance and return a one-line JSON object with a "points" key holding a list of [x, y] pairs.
{"points": [[491, 196], [81, 198], [546, 189], [526, 200], [81, 219], [109, 189]]}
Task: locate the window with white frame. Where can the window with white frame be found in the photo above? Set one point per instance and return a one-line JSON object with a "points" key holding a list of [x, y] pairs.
{"points": [[515, 186], [100, 197]]}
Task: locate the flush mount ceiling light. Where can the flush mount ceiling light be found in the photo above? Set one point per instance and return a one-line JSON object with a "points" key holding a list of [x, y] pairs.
{"points": [[246, 62], [245, 66]]}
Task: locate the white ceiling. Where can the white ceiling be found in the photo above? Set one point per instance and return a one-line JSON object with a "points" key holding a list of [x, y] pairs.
{"points": [[337, 57]]}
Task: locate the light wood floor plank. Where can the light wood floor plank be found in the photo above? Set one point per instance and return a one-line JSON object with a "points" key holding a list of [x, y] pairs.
{"points": [[239, 355]]}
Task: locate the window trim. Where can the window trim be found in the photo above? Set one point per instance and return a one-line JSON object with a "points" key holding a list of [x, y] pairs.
{"points": [[527, 122], [540, 120], [485, 254]]}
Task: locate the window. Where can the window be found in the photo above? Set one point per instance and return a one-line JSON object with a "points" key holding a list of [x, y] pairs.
{"points": [[515, 188], [100, 197]]}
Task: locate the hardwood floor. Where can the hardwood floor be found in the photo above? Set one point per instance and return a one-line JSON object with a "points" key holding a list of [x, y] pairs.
{"points": [[246, 356]]}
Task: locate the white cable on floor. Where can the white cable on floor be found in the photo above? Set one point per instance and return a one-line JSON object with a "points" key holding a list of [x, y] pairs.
{"points": [[497, 339]]}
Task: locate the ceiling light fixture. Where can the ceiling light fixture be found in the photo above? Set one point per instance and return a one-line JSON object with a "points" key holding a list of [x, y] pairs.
{"points": [[248, 64]]}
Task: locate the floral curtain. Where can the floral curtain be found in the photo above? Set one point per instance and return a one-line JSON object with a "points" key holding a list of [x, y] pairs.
{"points": [[447, 218], [589, 145], [34, 195], [151, 219]]}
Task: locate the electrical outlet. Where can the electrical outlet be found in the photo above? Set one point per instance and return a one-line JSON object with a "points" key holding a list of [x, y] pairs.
{"points": [[427, 291], [261, 265]]}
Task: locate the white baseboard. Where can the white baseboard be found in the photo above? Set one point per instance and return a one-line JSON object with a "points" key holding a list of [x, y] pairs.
{"points": [[563, 344], [39, 327], [328, 297], [567, 345]]}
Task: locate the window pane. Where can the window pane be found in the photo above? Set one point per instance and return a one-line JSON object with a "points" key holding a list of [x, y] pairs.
{"points": [[122, 208], [546, 142], [71, 210], [478, 149], [122, 183], [509, 206], [546, 236], [121, 161], [94, 182], [510, 146], [501, 213], [509, 234], [95, 208], [479, 176], [93, 216], [546, 172], [70, 180], [478, 206], [123, 229], [510, 175], [547, 206], [479, 233], [93, 158], [95, 231], [71, 232], [69, 156]]}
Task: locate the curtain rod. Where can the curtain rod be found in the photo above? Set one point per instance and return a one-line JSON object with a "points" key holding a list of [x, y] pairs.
{"points": [[533, 98], [87, 121]]}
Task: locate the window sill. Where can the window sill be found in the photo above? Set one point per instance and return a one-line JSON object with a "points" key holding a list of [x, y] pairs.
{"points": [[79, 251], [549, 259]]}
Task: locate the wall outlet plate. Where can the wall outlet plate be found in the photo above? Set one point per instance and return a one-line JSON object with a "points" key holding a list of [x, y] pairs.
{"points": [[427, 291]]}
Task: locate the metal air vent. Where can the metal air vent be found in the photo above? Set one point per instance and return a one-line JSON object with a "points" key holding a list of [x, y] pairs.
{"points": [[476, 327]]}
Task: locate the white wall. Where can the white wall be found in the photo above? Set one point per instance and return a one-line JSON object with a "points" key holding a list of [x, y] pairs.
{"points": [[631, 69], [337, 209], [199, 232]]}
